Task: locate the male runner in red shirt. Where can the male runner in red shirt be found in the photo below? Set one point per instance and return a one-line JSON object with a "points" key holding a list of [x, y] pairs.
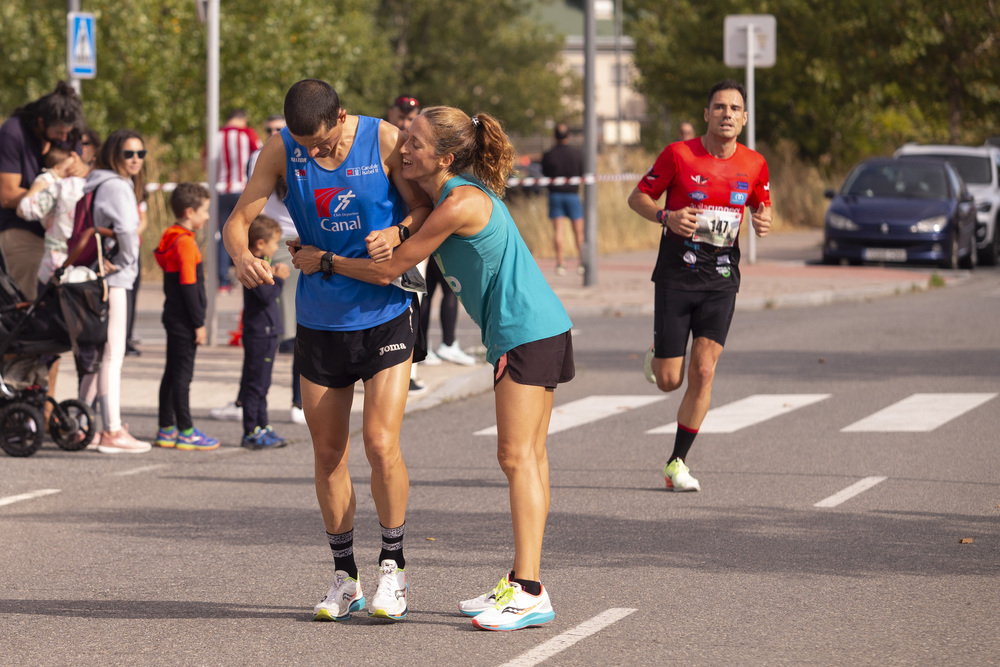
{"points": [[708, 180]]}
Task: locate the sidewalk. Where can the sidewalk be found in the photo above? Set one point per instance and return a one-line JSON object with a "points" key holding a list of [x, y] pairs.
{"points": [[787, 274]]}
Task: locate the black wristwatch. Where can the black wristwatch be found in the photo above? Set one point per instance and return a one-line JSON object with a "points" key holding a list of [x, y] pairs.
{"points": [[326, 264], [404, 232], [661, 215]]}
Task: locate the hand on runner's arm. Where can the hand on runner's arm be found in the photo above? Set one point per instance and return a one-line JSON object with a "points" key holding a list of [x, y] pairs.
{"points": [[253, 271], [305, 258], [381, 242], [761, 220]]}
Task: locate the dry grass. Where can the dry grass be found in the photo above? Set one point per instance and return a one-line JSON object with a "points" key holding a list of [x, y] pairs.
{"points": [[796, 191]]}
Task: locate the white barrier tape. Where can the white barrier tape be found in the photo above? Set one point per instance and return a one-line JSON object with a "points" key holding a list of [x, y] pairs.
{"points": [[588, 179]]}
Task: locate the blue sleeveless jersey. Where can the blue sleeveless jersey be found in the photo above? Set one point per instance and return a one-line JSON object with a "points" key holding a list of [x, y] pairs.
{"points": [[498, 281], [335, 210]]}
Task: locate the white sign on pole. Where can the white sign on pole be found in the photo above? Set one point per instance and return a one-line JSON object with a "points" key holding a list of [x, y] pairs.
{"points": [[81, 45], [765, 32]]}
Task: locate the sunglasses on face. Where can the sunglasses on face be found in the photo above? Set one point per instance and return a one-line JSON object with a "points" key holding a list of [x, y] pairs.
{"points": [[272, 130], [406, 103], [131, 154]]}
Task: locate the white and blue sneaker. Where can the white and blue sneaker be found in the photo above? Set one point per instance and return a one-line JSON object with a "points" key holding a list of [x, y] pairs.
{"points": [[478, 605], [344, 597], [516, 609], [389, 600]]}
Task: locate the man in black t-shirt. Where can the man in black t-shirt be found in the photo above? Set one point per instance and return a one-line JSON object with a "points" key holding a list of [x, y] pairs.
{"points": [[564, 161]]}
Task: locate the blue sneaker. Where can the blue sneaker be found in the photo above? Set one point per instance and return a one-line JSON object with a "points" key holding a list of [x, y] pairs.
{"points": [[166, 437], [196, 441], [277, 439], [261, 438]]}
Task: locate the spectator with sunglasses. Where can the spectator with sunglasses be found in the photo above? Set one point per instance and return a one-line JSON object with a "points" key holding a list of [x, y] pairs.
{"points": [[118, 185]]}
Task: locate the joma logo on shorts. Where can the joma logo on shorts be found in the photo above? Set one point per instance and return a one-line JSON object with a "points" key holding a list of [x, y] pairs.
{"points": [[391, 348]]}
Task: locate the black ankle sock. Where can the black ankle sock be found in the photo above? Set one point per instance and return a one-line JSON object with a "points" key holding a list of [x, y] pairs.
{"points": [[531, 587], [342, 546], [392, 545], [682, 442]]}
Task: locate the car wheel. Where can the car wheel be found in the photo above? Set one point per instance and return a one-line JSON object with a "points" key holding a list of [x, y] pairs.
{"points": [[971, 259], [950, 260], [990, 255]]}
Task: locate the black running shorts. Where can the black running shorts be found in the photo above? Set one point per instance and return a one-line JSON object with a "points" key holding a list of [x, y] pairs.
{"points": [[338, 359], [541, 363], [679, 314]]}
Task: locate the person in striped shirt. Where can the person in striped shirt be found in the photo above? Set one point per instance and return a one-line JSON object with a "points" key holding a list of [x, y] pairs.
{"points": [[237, 142]]}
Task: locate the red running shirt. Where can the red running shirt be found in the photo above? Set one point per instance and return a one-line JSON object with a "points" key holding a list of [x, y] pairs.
{"points": [[721, 189]]}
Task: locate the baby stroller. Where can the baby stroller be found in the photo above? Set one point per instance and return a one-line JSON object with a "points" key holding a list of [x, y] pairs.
{"points": [[31, 336]]}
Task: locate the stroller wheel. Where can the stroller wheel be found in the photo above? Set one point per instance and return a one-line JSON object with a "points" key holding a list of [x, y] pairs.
{"points": [[72, 425], [21, 428]]}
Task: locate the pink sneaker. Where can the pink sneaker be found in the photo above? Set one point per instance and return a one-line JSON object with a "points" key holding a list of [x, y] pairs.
{"points": [[122, 442]]}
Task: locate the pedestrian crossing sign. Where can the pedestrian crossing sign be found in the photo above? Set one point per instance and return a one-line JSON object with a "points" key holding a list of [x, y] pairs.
{"points": [[81, 45]]}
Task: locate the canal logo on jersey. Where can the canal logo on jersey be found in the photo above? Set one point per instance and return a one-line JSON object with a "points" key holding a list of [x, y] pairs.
{"points": [[331, 197], [366, 170]]}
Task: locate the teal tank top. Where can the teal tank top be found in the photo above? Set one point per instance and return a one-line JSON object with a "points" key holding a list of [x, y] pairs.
{"points": [[498, 281], [335, 210]]}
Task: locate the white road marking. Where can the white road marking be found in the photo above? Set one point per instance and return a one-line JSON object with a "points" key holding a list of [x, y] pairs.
{"points": [[747, 412], [919, 412], [850, 492], [546, 650], [136, 471], [10, 500], [587, 410]]}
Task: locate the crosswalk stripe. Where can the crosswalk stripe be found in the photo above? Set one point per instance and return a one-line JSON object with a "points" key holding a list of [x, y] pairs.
{"points": [[850, 492], [587, 410], [919, 412], [10, 500], [747, 412]]}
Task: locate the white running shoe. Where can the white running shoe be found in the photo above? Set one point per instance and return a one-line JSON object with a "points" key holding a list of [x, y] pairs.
{"points": [[678, 477], [647, 366], [431, 359], [230, 412], [478, 605], [343, 597], [516, 609], [122, 442], [455, 354], [295, 415], [389, 600]]}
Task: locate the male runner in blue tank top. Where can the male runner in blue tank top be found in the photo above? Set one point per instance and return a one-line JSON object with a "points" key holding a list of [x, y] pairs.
{"points": [[344, 181]]}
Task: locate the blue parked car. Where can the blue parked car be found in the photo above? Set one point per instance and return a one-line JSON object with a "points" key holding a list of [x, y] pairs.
{"points": [[901, 211]]}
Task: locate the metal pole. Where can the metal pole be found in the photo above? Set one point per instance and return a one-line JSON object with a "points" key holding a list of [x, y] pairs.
{"points": [[751, 129], [618, 82], [73, 6], [589, 146], [212, 160]]}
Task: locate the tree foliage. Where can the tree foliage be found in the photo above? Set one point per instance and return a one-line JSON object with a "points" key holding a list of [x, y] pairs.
{"points": [[852, 78], [478, 55]]}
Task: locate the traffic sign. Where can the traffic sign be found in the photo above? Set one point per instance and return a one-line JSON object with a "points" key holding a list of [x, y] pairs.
{"points": [[81, 45], [765, 32]]}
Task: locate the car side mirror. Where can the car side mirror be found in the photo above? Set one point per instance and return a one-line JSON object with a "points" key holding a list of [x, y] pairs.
{"points": [[829, 193]]}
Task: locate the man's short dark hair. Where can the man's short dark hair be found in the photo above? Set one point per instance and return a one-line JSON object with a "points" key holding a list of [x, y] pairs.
{"points": [[60, 107], [187, 195], [728, 84], [311, 105], [236, 113], [562, 131]]}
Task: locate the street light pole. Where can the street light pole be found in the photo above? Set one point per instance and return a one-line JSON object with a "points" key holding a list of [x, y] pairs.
{"points": [[212, 160], [589, 145]]}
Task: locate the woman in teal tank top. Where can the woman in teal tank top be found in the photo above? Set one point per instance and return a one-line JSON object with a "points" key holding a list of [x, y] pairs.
{"points": [[524, 326]]}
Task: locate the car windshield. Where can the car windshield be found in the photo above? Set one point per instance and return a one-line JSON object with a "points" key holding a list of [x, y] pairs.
{"points": [[898, 180], [972, 168]]}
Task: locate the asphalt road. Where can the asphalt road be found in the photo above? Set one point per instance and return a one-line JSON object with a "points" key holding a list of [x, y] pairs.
{"points": [[817, 538]]}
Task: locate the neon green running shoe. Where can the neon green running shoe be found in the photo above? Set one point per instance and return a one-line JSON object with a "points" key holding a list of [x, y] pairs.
{"points": [[478, 605], [678, 477]]}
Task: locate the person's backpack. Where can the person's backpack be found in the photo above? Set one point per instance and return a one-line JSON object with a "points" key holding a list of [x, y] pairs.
{"points": [[82, 242]]}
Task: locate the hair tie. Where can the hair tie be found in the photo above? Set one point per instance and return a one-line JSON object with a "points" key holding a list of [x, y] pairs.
{"points": [[475, 122]]}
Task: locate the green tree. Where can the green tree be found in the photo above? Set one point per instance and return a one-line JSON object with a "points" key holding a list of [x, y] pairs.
{"points": [[478, 55]]}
